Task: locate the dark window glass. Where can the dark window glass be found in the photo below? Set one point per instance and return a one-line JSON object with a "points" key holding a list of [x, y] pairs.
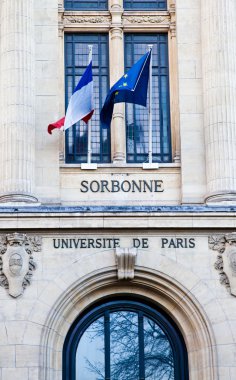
{"points": [[137, 116], [144, 4], [76, 61], [124, 340], [86, 4]]}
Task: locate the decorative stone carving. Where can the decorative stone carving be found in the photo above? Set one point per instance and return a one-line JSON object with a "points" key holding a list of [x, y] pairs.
{"points": [[125, 258], [86, 19], [226, 259], [172, 11], [16, 261], [60, 6], [147, 19]]}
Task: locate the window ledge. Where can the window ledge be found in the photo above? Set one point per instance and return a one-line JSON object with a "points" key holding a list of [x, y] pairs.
{"points": [[124, 165]]}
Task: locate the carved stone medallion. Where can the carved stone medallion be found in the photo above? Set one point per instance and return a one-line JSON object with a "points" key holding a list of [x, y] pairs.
{"points": [[16, 261], [226, 259]]}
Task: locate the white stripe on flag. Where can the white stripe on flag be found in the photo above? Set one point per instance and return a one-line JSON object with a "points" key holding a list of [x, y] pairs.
{"points": [[80, 105]]}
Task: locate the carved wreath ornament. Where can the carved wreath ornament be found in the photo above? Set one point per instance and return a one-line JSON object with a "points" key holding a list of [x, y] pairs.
{"points": [[16, 261], [225, 245]]}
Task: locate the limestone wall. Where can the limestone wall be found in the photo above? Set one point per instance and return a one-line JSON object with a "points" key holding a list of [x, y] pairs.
{"points": [[174, 268]]}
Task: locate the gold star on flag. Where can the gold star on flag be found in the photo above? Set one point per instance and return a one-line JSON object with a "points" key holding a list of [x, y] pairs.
{"points": [[125, 84], [126, 75], [116, 93]]}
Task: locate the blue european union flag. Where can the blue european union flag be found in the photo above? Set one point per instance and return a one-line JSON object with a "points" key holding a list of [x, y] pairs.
{"points": [[131, 88]]}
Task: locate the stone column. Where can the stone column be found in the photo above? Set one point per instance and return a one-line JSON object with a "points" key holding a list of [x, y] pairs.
{"points": [[17, 123], [116, 71], [219, 84]]}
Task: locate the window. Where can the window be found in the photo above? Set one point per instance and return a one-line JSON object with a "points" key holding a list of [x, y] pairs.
{"points": [[132, 143], [86, 4], [137, 116], [76, 60], [124, 340], [148, 5]]}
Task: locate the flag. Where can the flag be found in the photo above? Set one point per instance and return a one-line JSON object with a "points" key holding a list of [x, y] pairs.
{"points": [[80, 106], [131, 88]]}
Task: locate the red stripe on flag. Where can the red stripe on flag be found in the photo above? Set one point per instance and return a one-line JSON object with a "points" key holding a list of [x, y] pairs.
{"points": [[88, 117], [58, 124]]}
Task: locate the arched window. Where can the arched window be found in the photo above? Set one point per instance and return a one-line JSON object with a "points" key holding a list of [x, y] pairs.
{"points": [[124, 340]]}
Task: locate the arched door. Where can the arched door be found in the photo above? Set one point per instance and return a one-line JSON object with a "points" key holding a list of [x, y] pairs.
{"points": [[124, 340]]}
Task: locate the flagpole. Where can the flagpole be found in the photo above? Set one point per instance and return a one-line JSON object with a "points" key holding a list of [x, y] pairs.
{"points": [[150, 108], [89, 122]]}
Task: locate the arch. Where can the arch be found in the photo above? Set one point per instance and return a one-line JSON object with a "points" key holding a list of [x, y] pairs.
{"points": [[132, 324], [149, 285]]}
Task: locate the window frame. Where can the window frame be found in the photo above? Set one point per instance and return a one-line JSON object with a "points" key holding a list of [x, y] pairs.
{"points": [[122, 304], [100, 6], [130, 22], [157, 157], [134, 8], [76, 154]]}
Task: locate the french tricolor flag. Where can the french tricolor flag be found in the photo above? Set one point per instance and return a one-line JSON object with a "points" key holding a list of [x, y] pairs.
{"points": [[80, 106]]}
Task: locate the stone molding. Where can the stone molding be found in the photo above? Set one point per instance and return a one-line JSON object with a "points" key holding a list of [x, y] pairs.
{"points": [[148, 284], [18, 199], [16, 261], [117, 17], [141, 22], [125, 259], [225, 245], [85, 19], [68, 20]]}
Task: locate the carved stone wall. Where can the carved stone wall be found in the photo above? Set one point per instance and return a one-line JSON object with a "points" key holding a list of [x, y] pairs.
{"points": [[17, 262], [225, 245]]}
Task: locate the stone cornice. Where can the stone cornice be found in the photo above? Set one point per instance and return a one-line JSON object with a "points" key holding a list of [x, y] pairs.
{"points": [[100, 217]]}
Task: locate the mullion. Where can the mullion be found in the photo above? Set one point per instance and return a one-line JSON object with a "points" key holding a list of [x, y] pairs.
{"points": [[141, 347], [107, 345]]}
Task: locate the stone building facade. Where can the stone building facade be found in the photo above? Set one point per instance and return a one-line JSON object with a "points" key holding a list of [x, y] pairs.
{"points": [[119, 241]]}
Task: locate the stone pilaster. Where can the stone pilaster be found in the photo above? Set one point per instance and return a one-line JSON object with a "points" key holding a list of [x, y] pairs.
{"points": [[116, 71], [174, 88], [219, 83], [17, 124]]}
